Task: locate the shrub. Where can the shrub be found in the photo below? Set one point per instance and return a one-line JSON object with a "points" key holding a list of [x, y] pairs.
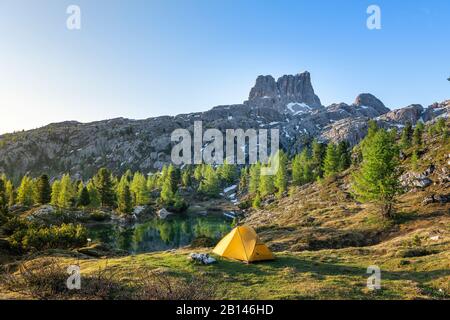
{"points": [[99, 216], [66, 236]]}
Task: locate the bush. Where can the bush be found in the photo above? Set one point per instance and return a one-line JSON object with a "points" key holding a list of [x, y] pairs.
{"points": [[13, 225], [99, 216], [66, 236]]}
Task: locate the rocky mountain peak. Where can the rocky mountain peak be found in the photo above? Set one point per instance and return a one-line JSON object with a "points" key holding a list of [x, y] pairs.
{"points": [[369, 100], [286, 94]]}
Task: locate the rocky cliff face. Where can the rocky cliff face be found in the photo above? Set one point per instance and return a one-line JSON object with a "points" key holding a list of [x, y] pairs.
{"points": [[289, 104], [289, 94]]}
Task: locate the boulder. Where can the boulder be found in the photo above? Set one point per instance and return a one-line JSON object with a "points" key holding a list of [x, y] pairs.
{"points": [[413, 179], [163, 213]]}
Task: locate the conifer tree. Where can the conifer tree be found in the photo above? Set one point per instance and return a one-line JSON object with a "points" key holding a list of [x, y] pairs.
{"points": [[405, 140], [139, 190], [94, 195], [243, 181], [84, 198], [10, 193], [3, 200], [211, 183], [254, 174], [104, 185], [174, 176], [417, 135], [377, 179], [186, 178], [302, 171], [331, 161], [56, 188], [343, 151], [25, 192], [318, 154], [256, 201], [266, 184], [66, 192], [125, 200], [281, 177], [227, 172], [167, 194], [43, 190]]}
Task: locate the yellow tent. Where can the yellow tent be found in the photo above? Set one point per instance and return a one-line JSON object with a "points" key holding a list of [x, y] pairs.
{"points": [[242, 243]]}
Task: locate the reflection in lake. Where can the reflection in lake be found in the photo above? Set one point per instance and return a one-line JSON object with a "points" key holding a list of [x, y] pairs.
{"points": [[157, 234]]}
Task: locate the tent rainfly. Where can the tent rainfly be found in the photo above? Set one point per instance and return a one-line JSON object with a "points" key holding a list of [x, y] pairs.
{"points": [[242, 243]]}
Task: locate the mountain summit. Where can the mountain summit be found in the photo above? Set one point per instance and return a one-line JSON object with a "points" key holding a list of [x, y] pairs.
{"points": [[289, 93]]}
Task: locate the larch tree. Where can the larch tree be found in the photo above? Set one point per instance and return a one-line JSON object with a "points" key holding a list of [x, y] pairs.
{"points": [[331, 161], [377, 179], [25, 192], [281, 177]]}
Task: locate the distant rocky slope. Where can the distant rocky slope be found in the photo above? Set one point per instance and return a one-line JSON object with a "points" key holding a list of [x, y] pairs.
{"points": [[289, 104]]}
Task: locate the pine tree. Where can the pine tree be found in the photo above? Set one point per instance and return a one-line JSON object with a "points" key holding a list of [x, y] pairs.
{"points": [[254, 174], [174, 176], [66, 192], [343, 151], [256, 201], [302, 171], [243, 180], [331, 161], [139, 189], [198, 173], [56, 188], [377, 179], [84, 199], [104, 185], [43, 190], [25, 192], [405, 140], [417, 135], [186, 178], [125, 200], [167, 194], [211, 183], [10, 193], [94, 195], [318, 154], [3, 200], [281, 177], [266, 184], [227, 173]]}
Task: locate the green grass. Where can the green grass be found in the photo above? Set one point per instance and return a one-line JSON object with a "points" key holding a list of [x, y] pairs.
{"points": [[325, 274]]}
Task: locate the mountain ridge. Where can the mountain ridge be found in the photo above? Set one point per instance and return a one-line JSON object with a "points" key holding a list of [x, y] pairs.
{"points": [[289, 104]]}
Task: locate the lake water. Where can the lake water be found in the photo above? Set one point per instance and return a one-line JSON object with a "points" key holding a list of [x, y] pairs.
{"points": [[157, 235]]}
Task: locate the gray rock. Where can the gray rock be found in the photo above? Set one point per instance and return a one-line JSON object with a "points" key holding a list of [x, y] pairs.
{"points": [[369, 100], [163, 213], [411, 113]]}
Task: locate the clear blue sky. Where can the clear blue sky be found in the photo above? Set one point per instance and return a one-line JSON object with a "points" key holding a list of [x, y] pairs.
{"points": [[139, 59]]}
